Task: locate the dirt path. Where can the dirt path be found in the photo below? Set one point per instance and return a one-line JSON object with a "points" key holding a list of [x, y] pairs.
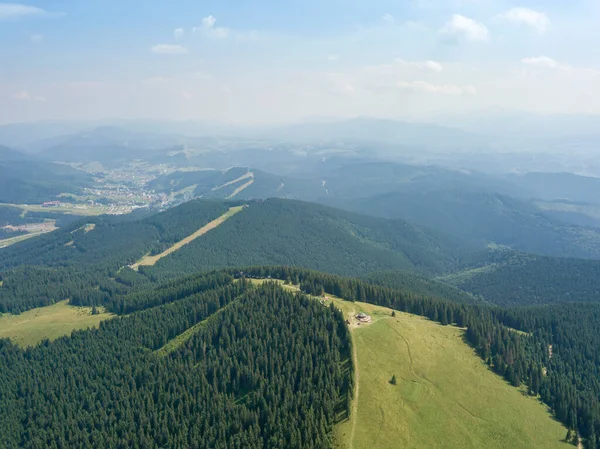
{"points": [[354, 413], [151, 260]]}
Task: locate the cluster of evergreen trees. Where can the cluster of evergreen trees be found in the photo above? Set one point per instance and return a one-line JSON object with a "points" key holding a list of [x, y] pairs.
{"points": [[270, 369], [513, 278]]}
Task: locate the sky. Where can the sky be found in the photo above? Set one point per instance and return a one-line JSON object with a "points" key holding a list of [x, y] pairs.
{"points": [[251, 62]]}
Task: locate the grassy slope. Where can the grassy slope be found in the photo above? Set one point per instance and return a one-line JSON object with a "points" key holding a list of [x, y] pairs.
{"points": [[50, 322], [445, 396]]}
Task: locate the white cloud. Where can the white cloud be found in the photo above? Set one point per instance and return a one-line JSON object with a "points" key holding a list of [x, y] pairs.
{"points": [[388, 18], [209, 22], [166, 49], [24, 95], [209, 29], [36, 38], [469, 28], [546, 62], [17, 11], [446, 89], [525, 16], [178, 33], [543, 61], [422, 65], [333, 58]]}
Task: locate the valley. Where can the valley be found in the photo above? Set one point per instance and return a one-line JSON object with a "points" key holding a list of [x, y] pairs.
{"points": [[174, 243]]}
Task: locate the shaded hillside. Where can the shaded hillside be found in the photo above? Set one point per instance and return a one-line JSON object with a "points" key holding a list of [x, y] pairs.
{"points": [[308, 235], [368, 129], [559, 186], [26, 181], [482, 217], [110, 145], [509, 278], [401, 280]]}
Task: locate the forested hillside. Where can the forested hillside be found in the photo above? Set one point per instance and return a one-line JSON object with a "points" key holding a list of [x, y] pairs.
{"points": [[401, 280], [312, 236], [85, 258], [88, 261], [24, 180], [556, 346], [511, 278], [556, 355], [265, 370]]}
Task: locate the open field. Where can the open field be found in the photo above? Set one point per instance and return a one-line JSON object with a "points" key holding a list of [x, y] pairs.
{"points": [[151, 260], [65, 209], [83, 210], [445, 395], [52, 322]]}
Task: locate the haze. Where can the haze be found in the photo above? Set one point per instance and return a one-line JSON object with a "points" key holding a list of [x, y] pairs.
{"points": [[266, 62]]}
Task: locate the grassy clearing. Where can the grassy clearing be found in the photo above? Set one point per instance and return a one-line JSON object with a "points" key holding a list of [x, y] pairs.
{"points": [[11, 241], [151, 260], [465, 275], [445, 396], [71, 209], [178, 341], [52, 322], [240, 188], [241, 178]]}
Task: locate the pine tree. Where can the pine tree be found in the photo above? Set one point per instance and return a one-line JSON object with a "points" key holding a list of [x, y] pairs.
{"points": [[393, 380]]}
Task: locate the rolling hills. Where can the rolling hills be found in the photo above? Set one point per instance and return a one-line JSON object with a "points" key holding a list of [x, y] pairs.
{"points": [[24, 179], [88, 261]]}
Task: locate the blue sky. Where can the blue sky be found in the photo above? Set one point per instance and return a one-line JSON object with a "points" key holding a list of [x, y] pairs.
{"points": [[265, 61]]}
